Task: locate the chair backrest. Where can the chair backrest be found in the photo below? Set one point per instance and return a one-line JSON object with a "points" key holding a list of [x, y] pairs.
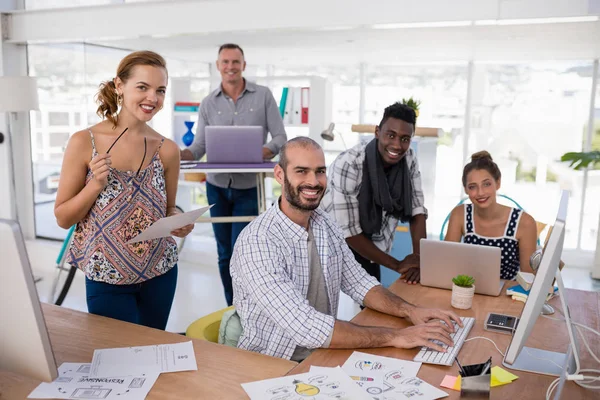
{"points": [[462, 201]]}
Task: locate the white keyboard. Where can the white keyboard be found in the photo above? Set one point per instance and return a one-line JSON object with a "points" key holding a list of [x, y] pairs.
{"points": [[429, 356]]}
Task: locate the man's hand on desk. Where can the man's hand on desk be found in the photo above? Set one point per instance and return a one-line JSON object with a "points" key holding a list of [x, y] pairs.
{"points": [[410, 268], [267, 154], [422, 335], [419, 315]]}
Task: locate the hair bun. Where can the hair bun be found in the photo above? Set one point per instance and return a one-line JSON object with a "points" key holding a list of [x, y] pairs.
{"points": [[481, 155]]}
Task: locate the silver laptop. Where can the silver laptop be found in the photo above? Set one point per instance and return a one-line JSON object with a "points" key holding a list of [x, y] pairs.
{"points": [[441, 261], [234, 144]]}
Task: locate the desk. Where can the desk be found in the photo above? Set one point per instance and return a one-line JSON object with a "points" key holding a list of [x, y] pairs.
{"points": [[547, 334], [261, 171], [221, 369]]}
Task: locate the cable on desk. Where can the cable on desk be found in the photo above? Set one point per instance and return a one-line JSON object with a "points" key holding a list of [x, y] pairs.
{"points": [[489, 340], [581, 380]]}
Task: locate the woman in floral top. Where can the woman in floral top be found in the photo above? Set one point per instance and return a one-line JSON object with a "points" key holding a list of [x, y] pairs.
{"points": [[117, 178]]}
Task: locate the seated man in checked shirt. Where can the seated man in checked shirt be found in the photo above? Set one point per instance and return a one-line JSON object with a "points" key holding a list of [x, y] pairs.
{"points": [[291, 262]]}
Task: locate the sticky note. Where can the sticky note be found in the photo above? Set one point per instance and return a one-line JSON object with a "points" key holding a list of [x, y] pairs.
{"points": [[457, 383], [501, 377], [449, 381]]}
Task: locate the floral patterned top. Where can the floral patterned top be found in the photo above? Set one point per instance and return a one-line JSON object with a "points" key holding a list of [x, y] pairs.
{"points": [[126, 206]]}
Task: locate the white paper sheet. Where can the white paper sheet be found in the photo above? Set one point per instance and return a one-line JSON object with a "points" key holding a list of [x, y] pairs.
{"points": [[331, 383], [386, 378], [144, 359], [73, 382], [164, 226]]}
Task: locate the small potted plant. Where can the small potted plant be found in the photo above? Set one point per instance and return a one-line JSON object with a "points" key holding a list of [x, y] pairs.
{"points": [[463, 290]]}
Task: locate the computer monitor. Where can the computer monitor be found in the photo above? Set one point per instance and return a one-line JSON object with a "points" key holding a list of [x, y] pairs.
{"points": [[25, 345], [520, 357]]}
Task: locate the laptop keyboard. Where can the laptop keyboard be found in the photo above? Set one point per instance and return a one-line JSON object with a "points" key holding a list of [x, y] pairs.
{"points": [[429, 356]]}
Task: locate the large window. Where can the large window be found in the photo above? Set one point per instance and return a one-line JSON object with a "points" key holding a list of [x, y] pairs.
{"points": [[68, 77], [527, 116], [442, 91], [591, 211]]}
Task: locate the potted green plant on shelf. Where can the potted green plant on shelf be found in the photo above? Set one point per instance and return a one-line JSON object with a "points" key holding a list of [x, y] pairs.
{"points": [[412, 103], [579, 161], [463, 290]]}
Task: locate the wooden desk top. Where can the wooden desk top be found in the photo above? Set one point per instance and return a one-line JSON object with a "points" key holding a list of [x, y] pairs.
{"points": [[221, 369], [547, 335]]}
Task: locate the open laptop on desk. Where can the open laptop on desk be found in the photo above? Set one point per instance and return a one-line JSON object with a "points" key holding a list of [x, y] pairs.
{"points": [[442, 261], [234, 144]]}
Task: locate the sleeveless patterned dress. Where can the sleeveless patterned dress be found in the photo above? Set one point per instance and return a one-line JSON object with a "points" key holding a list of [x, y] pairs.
{"points": [[124, 208]]}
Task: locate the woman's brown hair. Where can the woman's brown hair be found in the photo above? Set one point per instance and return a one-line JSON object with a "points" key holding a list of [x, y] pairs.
{"points": [[107, 94], [481, 160]]}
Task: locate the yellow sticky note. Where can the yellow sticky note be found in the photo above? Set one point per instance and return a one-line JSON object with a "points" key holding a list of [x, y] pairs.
{"points": [[501, 377], [457, 384], [449, 381]]}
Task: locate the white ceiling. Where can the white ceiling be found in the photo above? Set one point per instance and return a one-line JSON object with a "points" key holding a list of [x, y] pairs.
{"points": [[565, 41], [302, 32]]}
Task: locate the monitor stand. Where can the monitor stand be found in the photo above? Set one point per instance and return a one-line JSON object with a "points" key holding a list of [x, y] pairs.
{"points": [[550, 362]]}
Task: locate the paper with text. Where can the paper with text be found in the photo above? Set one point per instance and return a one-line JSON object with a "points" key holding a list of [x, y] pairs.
{"points": [[74, 382], [144, 359], [164, 226]]}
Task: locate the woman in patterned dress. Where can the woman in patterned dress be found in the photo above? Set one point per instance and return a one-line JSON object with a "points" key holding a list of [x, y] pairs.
{"points": [[118, 177], [488, 223]]}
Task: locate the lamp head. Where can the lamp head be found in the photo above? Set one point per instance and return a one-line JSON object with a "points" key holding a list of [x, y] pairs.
{"points": [[327, 134], [18, 93]]}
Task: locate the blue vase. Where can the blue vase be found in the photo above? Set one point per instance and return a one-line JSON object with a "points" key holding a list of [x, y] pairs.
{"points": [[188, 138]]}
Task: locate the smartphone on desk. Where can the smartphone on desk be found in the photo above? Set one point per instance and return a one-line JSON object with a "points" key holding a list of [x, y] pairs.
{"points": [[501, 323]]}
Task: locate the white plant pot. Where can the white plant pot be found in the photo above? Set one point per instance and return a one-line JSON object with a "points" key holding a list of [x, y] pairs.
{"points": [[462, 297]]}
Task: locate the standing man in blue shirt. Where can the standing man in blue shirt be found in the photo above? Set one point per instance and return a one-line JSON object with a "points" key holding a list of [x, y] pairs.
{"points": [[235, 102]]}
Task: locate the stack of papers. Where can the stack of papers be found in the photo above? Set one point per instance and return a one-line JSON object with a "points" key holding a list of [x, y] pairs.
{"points": [[363, 376], [74, 382], [126, 373]]}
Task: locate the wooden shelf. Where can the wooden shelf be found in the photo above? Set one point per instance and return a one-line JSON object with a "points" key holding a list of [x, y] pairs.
{"points": [[420, 131]]}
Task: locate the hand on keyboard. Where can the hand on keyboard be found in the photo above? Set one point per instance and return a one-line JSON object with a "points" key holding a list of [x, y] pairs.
{"points": [[430, 353], [418, 315], [423, 335]]}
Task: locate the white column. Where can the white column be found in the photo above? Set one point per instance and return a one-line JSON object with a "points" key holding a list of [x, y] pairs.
{"points": [[541, 170], [587, 146], [13, 61], [16, 181], [467, 125], [362, 105]]}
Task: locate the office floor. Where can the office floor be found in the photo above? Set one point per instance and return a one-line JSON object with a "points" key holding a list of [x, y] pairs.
{"points": [[199, 285]]}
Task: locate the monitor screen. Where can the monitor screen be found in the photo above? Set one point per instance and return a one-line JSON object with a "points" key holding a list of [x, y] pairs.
{"points": [[26, 346], [538, 294]]}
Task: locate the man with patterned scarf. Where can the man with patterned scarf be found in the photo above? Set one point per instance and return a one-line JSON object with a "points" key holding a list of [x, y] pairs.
{"points": [[374, 185]]}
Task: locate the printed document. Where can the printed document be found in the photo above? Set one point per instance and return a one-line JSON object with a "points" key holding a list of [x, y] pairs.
{"points": [[143, 359], [164, 226]]}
